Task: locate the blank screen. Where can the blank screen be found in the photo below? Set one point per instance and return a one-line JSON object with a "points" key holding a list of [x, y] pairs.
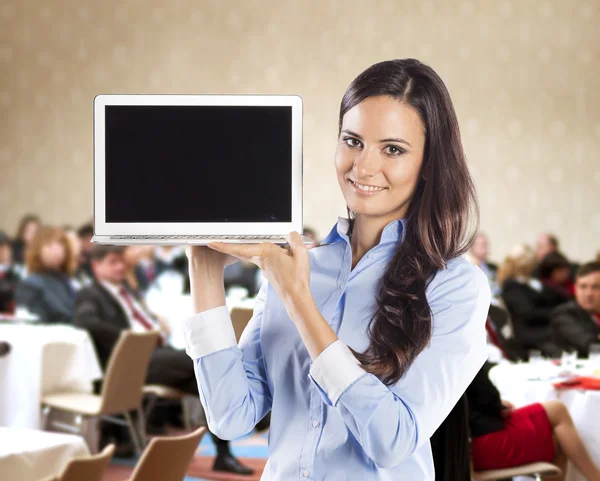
{"points": [[198, 164]]}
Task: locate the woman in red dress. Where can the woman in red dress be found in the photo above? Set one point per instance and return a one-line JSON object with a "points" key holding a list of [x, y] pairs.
{"points": [[503, 437]]}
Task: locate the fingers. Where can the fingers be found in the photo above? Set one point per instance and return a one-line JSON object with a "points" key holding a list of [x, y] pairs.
{"points": [[295, 241], [241, 251]]}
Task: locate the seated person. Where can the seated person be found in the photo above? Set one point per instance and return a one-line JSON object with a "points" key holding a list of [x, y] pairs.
{"points": [[107, 307], [576, 325], [555, 273], [311, 234], [85, 234], [527, 301], [504, 437], [9, 278], [500, 337], [242, 274], [478, 255], [137, 258], [47, 290], [28, 227], [80, 277]]}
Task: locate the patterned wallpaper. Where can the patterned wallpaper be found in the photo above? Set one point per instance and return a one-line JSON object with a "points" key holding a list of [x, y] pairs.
{"points": [[523, 76]]}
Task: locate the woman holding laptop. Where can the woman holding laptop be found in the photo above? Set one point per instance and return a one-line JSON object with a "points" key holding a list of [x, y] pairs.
{"points": [[362, 346]]}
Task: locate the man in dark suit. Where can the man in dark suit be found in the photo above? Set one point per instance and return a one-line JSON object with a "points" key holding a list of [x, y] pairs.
{"points": [[576, 324], [107, 307]]}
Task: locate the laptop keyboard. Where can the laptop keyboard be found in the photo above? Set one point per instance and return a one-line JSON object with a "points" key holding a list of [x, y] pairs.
{"points": [[176, 237]]}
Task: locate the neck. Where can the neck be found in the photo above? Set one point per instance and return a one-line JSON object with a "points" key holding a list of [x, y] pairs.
{"points": [[366, 234], [112, 283]]}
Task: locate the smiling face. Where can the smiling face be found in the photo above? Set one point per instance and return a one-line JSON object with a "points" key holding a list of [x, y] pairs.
{"points": [[379, 157], [587, 291]]}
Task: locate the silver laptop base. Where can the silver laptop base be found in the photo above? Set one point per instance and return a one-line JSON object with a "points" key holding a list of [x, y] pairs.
{"points": [[189, 239]]}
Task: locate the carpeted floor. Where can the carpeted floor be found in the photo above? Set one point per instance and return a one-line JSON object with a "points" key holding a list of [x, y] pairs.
{"points": [[251, 450]]}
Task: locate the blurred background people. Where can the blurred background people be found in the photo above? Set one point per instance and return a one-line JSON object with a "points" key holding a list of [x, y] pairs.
{"points": [[8, 275], [576, 324], [505, 437], [478, 255], [108, 307], [527, 301], [85, 234], [555, 273], [80, 277], [47, 290], [545, 244], [138, 276], [28, 226], [311, 234]]}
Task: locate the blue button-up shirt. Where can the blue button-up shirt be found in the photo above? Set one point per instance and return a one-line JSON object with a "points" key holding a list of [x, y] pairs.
{"points": [[330, 419]]}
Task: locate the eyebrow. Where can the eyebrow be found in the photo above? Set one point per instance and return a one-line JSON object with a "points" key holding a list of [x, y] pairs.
{"points": [[399, 140]]}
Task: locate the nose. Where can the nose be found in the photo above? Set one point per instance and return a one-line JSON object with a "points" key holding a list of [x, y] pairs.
{"points": [[367, 163]]}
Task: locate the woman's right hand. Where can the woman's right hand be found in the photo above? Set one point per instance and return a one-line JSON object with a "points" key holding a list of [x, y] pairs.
{"points": [[206, 271]]}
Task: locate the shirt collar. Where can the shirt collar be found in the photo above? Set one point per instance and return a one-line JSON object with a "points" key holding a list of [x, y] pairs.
{"points": [[394, 231], [112, 288]]}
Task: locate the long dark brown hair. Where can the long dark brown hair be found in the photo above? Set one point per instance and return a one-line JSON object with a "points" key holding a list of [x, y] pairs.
{"points": [[441, 221]]}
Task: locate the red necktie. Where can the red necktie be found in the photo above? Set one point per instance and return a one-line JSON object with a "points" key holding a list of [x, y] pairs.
{"points": [[491, 330], [597, 318], [143, 320]]}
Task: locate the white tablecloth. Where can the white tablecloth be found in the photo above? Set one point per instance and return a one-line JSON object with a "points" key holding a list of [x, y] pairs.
{"points": [[30, 455], [43, 359], [524, 384]]}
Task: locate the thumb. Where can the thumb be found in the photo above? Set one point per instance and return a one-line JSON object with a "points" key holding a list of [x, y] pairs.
{"points": [[295, 242]]}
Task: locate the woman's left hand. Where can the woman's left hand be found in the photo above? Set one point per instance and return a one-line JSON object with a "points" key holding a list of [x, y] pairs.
{"points": [[287, 270]]}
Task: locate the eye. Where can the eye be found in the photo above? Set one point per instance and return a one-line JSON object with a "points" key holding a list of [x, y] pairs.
{"points": [[394, 150], [351, 142]]}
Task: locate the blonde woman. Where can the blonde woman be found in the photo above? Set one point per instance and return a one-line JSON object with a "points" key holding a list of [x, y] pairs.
{"points": [[528, 301], [47, 290]]}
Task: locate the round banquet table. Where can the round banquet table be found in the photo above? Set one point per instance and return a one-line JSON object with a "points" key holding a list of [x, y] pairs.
{"points": [[31, 455], [527, 383], [43, 359]]}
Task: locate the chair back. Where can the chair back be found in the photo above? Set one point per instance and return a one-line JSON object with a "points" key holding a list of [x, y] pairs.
{"points": [[90, 468], [126, 371], [167, 458], [239, 318]]}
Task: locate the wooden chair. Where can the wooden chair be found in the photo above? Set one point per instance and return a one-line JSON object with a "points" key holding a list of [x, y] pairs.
{"points": [[88, 468], [121, 391], [167, 458], [156, 392]]}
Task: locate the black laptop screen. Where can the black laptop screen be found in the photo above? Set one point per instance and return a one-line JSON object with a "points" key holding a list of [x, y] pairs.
{"points": [[198, 164]]}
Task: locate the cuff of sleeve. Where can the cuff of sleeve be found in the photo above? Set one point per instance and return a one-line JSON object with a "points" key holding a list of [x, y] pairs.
{"points": [[207, 332], [334, 370]]}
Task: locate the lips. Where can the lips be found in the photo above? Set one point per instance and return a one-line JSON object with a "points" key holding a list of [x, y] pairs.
{"points": [[365, 189]]}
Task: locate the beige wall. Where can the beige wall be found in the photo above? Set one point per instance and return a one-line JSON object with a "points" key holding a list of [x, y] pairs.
{"points": [[523, 75]]}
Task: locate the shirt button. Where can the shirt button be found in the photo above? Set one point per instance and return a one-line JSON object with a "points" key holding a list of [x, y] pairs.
{"points": [[315, 423], [305, 473]]}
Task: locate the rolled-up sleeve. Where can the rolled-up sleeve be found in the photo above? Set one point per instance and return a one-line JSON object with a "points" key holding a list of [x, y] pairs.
{"points": [[391, 422], [231, 378]]}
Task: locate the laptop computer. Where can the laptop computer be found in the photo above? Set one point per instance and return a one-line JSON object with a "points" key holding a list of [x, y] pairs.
{"points": [[194, 169]]}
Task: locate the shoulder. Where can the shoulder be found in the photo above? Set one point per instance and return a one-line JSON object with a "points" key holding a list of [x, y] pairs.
{"points": [[461, 275], [34, 280], [569, 308], [459, 297], [94, 290]]}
